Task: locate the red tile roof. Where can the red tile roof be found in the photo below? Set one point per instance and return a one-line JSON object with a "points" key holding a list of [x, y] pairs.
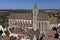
{"points": [[49, 38], [5, 38], [42, 16], [28, 16], [17, 31], [54, 20], [51, 33]]}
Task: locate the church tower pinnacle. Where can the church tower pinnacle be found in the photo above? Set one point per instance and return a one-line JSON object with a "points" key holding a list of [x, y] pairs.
{"points": [[35, 17]]}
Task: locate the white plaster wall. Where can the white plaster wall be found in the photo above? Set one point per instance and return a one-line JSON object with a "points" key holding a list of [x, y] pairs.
{"points": [[44, 26], [11, 21]]}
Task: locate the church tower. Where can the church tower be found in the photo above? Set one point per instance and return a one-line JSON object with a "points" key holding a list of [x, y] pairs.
{"points": [[35, 17]]}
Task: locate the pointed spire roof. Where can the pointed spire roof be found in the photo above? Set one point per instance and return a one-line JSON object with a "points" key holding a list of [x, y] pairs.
{"points": [[35, 5]]}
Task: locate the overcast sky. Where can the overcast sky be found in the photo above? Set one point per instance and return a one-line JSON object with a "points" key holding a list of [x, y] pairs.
{"points": [[29, 4]]}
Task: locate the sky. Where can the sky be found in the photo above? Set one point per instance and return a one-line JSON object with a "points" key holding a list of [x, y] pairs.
{"points": [[29, 4]]}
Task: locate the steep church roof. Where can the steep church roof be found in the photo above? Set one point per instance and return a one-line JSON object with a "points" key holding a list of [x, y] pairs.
{"points": [[28, 16]]}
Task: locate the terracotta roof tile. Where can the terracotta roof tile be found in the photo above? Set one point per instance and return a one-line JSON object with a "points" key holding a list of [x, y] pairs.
{"points": [[43, 17], [29, 16], [5, 38], [49, 38], [54, 20], [17, 31], [51, 33]]}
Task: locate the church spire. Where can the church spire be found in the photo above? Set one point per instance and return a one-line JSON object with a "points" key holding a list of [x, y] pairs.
{"points": [[35, 17], [35, 5]]}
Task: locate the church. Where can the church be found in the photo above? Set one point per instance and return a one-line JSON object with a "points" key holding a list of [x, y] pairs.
{"points": [[34, 20]]}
